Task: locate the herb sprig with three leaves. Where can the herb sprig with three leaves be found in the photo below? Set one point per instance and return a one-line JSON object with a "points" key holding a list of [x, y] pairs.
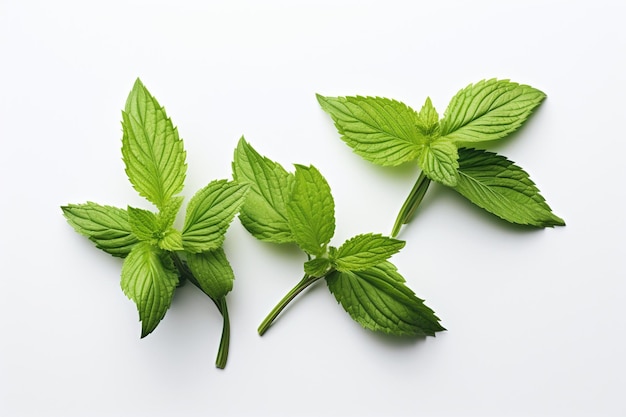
{"points": [[284, 207], [157, 256], [388, 133]]}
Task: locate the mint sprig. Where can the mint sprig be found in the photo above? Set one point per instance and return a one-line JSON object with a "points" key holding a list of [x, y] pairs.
{"points": [[299, 206], [387, 132], [157, 256]]}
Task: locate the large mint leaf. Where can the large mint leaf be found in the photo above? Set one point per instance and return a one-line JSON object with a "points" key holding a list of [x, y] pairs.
{"points": [[151, 149], [209, 214], [264, 212], [149, 278], [382, 131], [106, 226], [212, 271], [488, 110], [499, 186], [378, 299], [311, 211]]}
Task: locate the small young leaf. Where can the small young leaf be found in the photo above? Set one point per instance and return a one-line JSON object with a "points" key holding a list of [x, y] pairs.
{"points": [[378, 299], [311, 211], [494, 183], [317, 267], [149, 279], [427, 121], [143, 224], [151, 149], [213, 272], [365, 251], [171, 240], [106, 226], [380, 130], [167, 215], [264, 213], [209, 214], [439, 161], [488, 110]]}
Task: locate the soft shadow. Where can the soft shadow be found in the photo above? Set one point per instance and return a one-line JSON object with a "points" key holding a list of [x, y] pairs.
{"points": [[406, 172], [397, 342]]}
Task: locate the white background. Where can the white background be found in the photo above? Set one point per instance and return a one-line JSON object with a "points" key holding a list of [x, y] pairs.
{"points": [[535, 318]]}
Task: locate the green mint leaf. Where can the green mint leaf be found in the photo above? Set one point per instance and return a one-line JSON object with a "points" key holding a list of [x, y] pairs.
{"points": [[439, 161], [264, 213], [149, 278], [144, 224], [427, 121], [152, 151], [365, 251], [380, 130], [167, 215], [317, 267], [311, 211], [156, 228], [488, 110], [171, 240], [212, 271], [499, 186], [209, 214], [106, 226], [378, 299]]}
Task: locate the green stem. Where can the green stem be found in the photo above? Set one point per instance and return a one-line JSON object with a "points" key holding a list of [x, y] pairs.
{"points": [[222, 353], [301, 286], [411, 203]]}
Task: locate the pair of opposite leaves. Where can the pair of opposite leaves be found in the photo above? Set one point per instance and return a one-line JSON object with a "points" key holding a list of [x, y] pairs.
{"points": [[282, 207]]}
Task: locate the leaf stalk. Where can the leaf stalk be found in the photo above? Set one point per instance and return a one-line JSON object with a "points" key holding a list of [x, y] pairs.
{"points": [[222, 353], [411, 203], [306, 281]]}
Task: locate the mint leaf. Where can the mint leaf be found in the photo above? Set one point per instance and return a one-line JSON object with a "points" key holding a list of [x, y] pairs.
{"points": [[167, 215], [311, 211], [106, 226], [152, 151], [378, 299], [380, 130], [388, 132], [264, 212], [438, 160], [213, 272], [368, 286], [365, 251], [427, 121], [437, 156], [171, 240], [488, 110], [155, 229], [154, 249], [499, 186], [144, 224], [149, 279], [209, 214], [317, 267]]}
